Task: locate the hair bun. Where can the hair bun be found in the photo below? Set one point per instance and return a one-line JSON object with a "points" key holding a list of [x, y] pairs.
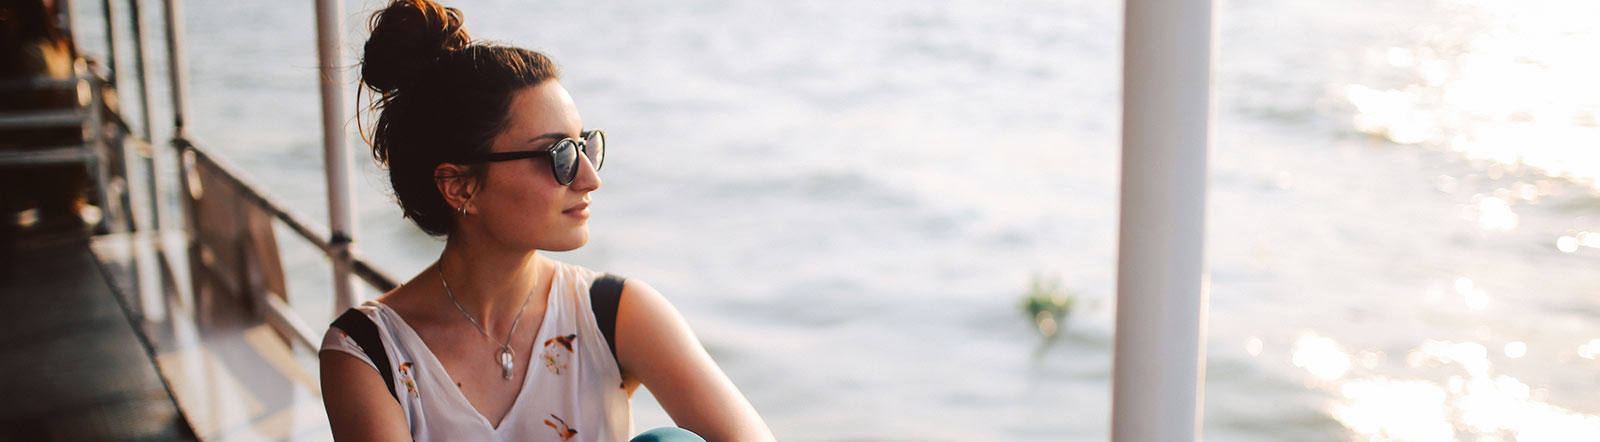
{"points": [[406, 38]]}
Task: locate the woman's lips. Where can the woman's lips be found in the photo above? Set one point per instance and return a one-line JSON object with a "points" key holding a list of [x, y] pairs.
{"points": [[580, 211]]}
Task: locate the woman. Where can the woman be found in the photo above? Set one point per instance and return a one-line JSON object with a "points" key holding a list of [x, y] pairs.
{"points": [[485, 148]]}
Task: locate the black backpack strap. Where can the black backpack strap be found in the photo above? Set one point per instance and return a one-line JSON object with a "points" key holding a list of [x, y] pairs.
{"points": [[365, 333], [604, 294]]}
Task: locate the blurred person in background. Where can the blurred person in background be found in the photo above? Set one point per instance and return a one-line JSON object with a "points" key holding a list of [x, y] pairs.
{"points": [[34, 47]]}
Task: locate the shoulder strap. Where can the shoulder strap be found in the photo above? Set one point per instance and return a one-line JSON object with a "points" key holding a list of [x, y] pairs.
{"points": [[365, 333], [604, 294]]}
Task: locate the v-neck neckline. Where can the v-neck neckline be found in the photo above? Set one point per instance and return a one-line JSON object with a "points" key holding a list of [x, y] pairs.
{"points": [[527, 378]]}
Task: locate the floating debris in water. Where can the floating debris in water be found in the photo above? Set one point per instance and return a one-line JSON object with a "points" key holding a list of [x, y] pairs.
{"points": [[1047, 305]]}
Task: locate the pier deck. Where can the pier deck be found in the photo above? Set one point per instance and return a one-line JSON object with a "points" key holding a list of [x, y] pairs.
{"points": [[72, 365]]}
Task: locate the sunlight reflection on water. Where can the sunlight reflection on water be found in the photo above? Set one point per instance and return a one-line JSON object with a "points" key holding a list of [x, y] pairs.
{"points": [[1570, 243], [1474, 297], [1320, 356], [1590, 350], [1514, 91], [1519, 92], [1472, 404]]}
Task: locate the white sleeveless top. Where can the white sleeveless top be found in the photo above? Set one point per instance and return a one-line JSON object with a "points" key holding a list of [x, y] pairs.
{"points": [[571, 392]]}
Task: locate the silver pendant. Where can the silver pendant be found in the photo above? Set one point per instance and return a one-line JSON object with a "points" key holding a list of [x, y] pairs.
{"points": [[505, 363]]}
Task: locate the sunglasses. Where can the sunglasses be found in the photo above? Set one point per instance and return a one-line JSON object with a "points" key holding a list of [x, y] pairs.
{"points": [[563, 155]]}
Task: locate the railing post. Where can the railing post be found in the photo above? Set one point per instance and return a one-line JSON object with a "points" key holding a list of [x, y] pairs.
{"points": [[136, 27], [150, 164], [98, 161], [111, 41], [65, 18], [1158, 380], [173, 21], [175, 66], [336, 156]]}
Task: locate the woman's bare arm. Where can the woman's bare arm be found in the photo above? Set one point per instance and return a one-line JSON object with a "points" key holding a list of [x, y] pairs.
{"points": [[359, 405], [655, 346]]}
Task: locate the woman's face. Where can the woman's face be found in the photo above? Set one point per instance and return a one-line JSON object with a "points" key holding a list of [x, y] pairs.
{"points": [[520, 203]]}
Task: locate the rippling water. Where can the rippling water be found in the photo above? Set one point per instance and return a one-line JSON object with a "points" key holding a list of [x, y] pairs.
{"points": [[847, 200]]}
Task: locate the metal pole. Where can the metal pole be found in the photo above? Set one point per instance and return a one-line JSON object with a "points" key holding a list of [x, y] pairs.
{"points": [[134, 15], [64, 17], [99, 166], [136, 19], [187, 173], [336, 157], [1158, 380], [176, 73], [111, 41], [175, 66]]}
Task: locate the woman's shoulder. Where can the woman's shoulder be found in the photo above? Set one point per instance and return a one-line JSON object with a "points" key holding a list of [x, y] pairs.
{"points": [[367, 310], [577, 272], [370, 317], [583, 278], [409, 302]]}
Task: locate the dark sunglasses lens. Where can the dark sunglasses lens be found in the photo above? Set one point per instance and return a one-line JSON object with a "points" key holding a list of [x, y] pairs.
{"points": [[595, 148], [564, 161]]}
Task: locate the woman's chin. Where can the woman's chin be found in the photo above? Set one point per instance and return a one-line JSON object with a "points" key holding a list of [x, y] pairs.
{"points": [[569, 242]]}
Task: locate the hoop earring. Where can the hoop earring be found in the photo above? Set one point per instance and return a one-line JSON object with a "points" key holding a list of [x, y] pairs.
{"points": [[463, 208]]}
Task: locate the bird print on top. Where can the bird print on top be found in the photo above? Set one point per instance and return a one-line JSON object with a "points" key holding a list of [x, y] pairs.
{"points": [[557, 351], [561, 427], [405, 378]]}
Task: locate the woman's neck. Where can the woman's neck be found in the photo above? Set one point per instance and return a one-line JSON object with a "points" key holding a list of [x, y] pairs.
{"points": [[491, 283]]}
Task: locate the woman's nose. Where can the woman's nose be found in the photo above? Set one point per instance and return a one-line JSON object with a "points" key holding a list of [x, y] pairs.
{"points": [[588, 179]]}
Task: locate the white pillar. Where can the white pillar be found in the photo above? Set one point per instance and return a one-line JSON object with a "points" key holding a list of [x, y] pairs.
{"points": [[1158, 381], [336, 157]]}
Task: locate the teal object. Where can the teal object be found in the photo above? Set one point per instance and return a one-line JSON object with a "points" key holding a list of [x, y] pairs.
{"points": [[667, 434]]}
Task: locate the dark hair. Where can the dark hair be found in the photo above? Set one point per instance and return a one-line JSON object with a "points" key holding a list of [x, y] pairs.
{"points": [[442, 97]]}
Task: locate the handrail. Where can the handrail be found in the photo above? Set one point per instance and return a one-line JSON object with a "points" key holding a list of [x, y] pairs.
{"points": [[299, 223], [273, 307], [75, 153], [38, 83], [282, 317], [50, 119], [277, 312], [334, 244]]}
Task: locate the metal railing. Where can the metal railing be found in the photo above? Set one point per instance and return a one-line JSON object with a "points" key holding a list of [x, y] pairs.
{"points": [[276, 311], [94, 149], [99, 147]]}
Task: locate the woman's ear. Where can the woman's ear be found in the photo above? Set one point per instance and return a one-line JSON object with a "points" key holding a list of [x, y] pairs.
{"points": [[456, 185]]}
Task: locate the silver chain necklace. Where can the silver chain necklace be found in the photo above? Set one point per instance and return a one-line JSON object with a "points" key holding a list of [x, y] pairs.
{"points": [[506, 363]]}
